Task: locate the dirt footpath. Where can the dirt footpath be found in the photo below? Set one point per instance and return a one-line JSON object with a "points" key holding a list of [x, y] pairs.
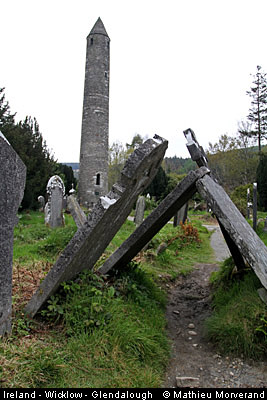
{"points": [[195, 362]]}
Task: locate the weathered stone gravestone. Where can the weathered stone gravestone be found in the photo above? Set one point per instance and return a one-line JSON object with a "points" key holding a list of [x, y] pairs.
{"points": [[196, 151], [181, 215], [139, 210], [76, 211], [12, 183], [41, 200], [102, 224], [248, 245], [54, 207], [72, 190], [255, 208], [154, 222], [244, 244], [249, 204]]}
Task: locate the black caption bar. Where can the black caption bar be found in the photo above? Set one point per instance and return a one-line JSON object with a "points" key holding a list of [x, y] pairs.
{"points": [[132, 394]]}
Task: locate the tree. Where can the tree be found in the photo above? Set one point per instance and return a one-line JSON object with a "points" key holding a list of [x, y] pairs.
{"points": [[158, 187], [262, 182], [117, 158], [258, 111], [136, 141], [66, 174], [6, 118], [28, 142], [233, 160]]}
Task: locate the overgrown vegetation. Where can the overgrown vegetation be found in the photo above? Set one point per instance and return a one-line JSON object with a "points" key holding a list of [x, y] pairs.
{"points": [[238, 323], [96, 331]]}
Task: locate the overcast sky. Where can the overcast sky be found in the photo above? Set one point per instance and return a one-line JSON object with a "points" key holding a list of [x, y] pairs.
{"points": [[175, 64]]}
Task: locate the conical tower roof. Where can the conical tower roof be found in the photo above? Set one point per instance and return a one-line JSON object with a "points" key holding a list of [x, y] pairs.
{"points": [[98, 28]]}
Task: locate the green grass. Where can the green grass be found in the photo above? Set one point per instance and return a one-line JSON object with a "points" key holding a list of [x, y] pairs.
{"points": [[95, 332], [111, 334], [35, 241], [237, 324], [181, 255], [104, 331]]}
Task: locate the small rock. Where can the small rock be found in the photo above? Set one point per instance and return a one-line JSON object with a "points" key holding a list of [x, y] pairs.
{"points": [[187, 381], [231, 373], [161, 248], [195, 345], [192, 333], [191, 326], [176, 312]]}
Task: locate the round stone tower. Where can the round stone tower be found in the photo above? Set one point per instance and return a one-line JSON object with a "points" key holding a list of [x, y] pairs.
{"points": [[93, 174]]}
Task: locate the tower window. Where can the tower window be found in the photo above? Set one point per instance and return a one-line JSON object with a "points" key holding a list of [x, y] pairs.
{"points": [[106, 74], [91, 42], [97, 180]]}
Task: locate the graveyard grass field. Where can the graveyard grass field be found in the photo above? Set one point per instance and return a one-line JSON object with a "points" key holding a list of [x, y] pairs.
{"points": [[97, 332], [106, 331]]}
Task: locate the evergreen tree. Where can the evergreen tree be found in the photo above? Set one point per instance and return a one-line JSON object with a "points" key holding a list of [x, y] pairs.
{"points": [[136, 141], [66, 174], [6, 118], [158, 187], [262, 182], [258, 111], [28, 142]]}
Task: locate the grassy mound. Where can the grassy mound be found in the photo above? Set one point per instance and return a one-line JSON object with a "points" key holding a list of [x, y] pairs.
{"points": [[238, 324]]}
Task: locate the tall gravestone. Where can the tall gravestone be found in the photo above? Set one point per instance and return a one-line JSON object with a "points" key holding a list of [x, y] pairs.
{"points": [[255, 206], [54, 206], [12, 184], [139, 210], [41, 201], [249, 204], [76, 211], [106, 218], [181, 215]]}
